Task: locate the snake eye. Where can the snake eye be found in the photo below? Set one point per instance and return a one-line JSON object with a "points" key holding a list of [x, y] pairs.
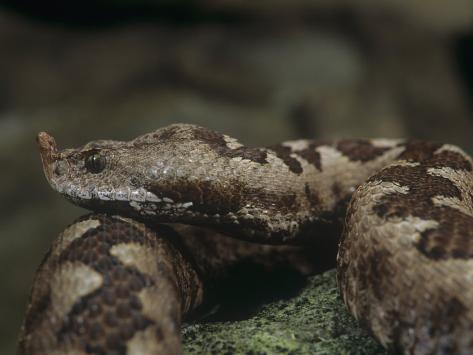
{"points": [[95, 163]]}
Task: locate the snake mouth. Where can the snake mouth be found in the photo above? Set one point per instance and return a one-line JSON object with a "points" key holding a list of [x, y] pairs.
{"points": [[49, 153]]}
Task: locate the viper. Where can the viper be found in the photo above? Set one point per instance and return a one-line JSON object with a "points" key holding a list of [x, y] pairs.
{"points": [[165, 204]]}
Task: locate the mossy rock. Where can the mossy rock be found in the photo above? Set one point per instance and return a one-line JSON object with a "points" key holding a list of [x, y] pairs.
{"points": [[314, 321]]}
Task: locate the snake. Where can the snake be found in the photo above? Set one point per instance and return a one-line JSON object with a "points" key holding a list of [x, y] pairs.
{"points": [[176, 208]]}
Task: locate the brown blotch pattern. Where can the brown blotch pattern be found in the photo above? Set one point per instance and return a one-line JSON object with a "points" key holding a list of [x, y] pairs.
{"points": [[107, 318], [207, 197], [419, 151], [311, 155], [452, 160], [284, 153], [212, 198], [218, 144], [360, 149], [452, 238]]}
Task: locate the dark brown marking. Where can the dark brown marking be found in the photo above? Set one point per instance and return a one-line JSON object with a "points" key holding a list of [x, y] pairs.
{"points": [[419, 151], [423, 187], [284, 153], [211, 197], [311, 155], [312, 197], [360, 149], [376, 268], [217, 143], [337, 190], [452, 239], [207, 197], [425, 152], [452, 160]]}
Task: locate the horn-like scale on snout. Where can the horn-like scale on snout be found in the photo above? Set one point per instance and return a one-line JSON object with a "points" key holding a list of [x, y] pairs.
{"points": [[48, 151]]}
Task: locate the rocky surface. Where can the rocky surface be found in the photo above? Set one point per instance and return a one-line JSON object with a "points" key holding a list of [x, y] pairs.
{"points": [[314, 321]]}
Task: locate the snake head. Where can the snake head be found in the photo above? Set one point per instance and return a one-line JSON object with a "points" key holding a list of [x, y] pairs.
{"points": [[84, 174], [176, 170]]}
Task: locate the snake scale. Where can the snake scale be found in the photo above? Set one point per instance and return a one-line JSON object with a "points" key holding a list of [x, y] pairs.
{"points": [[121, 279]]}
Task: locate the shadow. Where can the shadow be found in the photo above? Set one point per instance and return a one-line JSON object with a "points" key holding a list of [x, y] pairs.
{"points": [[247, 288]]}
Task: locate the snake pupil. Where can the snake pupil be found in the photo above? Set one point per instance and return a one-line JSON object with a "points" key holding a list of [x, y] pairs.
{"points": [[95, 163]]}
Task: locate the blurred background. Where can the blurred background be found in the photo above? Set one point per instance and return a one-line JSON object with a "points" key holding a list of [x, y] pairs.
{"points": [[262, 71]]}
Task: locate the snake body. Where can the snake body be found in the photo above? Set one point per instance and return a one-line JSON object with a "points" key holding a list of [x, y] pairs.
{"points": [[119, 281]]}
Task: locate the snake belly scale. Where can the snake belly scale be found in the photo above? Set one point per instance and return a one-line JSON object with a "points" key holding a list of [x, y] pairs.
{"points": [[120, 281]]}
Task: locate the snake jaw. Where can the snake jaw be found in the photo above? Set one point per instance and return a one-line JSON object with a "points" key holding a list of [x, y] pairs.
{"points": [[49, 153]]}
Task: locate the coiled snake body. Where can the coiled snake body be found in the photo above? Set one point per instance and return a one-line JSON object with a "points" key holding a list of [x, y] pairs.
{"points": [[118, 281]]}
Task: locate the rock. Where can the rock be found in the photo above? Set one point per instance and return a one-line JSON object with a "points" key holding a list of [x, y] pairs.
{"points": [[313, 321]]}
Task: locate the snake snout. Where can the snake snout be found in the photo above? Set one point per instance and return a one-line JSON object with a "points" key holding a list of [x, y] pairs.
{"points": [[46, 142], [48, 151]]}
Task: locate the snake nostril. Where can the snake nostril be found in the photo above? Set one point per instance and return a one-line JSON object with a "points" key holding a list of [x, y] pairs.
{"points": [[60, 168]]}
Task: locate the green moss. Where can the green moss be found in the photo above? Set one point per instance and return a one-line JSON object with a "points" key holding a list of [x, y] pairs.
{"points": [[314, 321]]}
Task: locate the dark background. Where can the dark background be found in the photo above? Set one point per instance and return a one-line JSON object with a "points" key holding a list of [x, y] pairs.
{"points": [[262, 72]]}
